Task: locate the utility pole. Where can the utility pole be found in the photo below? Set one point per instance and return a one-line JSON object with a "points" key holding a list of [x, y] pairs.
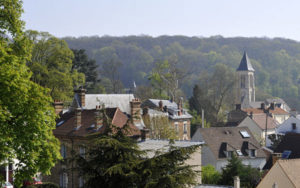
{"points": [[266, 129]]}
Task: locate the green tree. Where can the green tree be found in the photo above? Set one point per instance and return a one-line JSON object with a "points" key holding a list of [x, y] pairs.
{"points": [[51, 64], [110, 69], [210, 175], [27, 117], [249, 176], [115, 160], [89, 68]]}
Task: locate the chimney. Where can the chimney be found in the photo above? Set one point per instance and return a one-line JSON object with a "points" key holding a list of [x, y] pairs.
{"points": [[144, 134], [160, 105], [251, 115], [238, 107], [237, 182], [135, 106], [98, 118], [165, 109], [262, 106], [81, 95], [293, 112], [145, 111], [180, 106], [272, 107], [58, 106], [77, 118], [275, 157]]}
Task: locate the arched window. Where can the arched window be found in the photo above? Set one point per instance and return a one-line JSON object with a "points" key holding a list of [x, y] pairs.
{"points": [[243, 81]]}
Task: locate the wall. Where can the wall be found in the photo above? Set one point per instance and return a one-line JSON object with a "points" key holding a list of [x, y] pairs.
{"points": [[196, 160]]}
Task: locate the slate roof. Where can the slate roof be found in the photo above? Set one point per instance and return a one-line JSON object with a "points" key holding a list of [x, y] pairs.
{"points": [[65, 125], [245, 64], [122, 101], [163, 145], [220, 138]]}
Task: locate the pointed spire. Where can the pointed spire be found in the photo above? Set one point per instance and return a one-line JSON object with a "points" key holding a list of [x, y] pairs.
{"points": [[245, 64]]}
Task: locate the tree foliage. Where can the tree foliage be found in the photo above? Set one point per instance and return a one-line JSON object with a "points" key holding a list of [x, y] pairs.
{"points": [[249, 176], [115, 160], [210, 175], [27, 117], [51, 64]]}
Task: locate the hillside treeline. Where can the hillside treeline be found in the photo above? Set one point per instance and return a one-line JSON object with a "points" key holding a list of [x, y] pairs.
{"points": [[133, 59]]}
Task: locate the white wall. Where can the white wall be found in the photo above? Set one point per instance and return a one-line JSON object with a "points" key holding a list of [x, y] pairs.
{"points": [[286, 126]]}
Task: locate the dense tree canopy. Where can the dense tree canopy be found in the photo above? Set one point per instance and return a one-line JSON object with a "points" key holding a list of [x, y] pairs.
{"points": [[27, 117], [276, 61]]}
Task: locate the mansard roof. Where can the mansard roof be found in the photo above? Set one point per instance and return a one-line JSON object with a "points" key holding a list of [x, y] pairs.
{"points": [[245, 64]]}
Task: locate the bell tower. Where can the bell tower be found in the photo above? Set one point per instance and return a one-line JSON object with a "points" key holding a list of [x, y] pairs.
{"points": [[245, 84]]}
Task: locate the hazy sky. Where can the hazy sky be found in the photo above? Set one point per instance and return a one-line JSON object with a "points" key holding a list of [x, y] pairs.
{"points": [[271, 18]]}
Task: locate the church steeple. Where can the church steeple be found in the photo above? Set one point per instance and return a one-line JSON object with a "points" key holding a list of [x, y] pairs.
{"points": [[245, 84], [245, 64]]}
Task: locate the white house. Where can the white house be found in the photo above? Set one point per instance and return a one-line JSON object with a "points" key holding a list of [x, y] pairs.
{"points": [[292, 124]]}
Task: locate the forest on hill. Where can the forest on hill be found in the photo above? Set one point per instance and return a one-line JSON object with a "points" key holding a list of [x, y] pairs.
{"points": [[135, 59]]}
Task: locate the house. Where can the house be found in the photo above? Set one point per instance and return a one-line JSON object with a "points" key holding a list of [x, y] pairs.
{"points": [[292, 124], [288, 148], [284, 173], [151, 146], [255, 122], [75, 125], [223, 142], [178, 116]]}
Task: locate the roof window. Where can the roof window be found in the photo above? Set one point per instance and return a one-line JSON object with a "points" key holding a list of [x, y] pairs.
{"points": [[60, 123], [245, 134]]}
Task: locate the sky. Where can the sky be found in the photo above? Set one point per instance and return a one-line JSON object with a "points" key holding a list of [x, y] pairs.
{"points": [[205, 18]]}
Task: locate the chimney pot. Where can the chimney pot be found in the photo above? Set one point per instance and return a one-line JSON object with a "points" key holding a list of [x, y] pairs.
{"points": [[81, 94], [236, 182]]}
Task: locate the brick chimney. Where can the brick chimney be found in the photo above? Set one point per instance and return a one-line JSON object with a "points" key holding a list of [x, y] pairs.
{"points": [[160, 105], [272, 107], [262, 106], [98, 118], [180, 109], [77, 118], [81, 96], [135, 106], [58, 106]]}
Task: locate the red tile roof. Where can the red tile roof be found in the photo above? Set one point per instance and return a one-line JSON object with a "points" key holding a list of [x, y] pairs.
{"points": [[276, 110], [67, 128]]}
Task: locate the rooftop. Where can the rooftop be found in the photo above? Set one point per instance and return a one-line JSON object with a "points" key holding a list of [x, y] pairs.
{"points": [[245, 64]]}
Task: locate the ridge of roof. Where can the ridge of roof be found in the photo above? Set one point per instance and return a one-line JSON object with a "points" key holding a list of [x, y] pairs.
{"points": [[245, 64]]}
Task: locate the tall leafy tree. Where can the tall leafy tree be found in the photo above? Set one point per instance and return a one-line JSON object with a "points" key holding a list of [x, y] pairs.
{"points": [[27, 117], [51, 64]]}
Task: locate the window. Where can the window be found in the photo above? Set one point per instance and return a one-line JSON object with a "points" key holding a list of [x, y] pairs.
{"points": [[176, 127], [245, 134], [252, 153], [294, 126], [63, 182], [185, 127], [63, 151], [229, 154], [243, 81], [239, 152], [82, 151]]}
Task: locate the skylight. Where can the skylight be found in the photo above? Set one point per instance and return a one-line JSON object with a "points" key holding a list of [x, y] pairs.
{"points": [[239, 152], [286, 154], [60, 123], [245, 134]]}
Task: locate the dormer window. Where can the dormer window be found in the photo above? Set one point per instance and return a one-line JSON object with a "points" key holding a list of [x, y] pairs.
{"points": [[252, 152], [294, 126]]}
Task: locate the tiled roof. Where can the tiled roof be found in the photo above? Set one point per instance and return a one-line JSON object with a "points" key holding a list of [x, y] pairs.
{"points": [[245, 64], [276, 111], [65, 125], [260, 120], [291, 168], [218, 138]]}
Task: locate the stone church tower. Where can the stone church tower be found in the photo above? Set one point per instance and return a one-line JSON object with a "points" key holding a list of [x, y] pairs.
{"points": [[245, 84]]}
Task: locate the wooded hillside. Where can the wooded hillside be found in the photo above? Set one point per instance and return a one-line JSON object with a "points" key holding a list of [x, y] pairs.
{"points": [[276, 61]]}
